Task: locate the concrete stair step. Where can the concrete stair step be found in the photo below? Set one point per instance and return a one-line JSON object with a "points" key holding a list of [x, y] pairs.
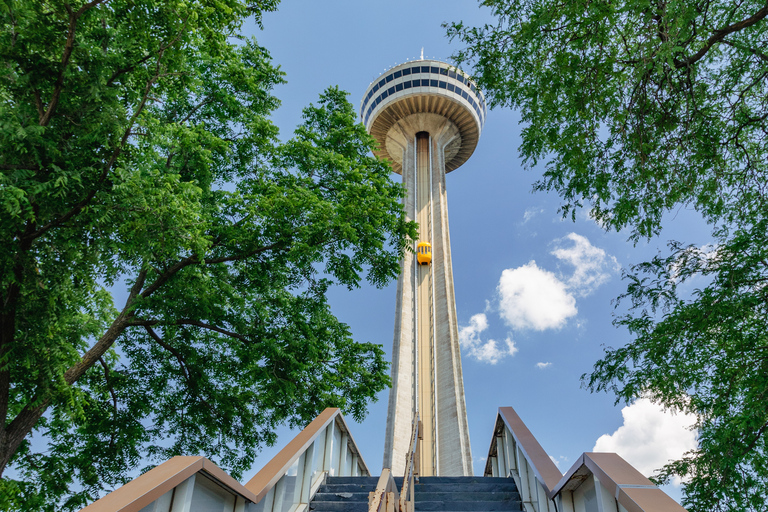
{"points": [[454, 494], [353, 488], [470, 495], [341, 496], [479, 487], [508, 505], [461, 479], [361, 480], [337, 506]]}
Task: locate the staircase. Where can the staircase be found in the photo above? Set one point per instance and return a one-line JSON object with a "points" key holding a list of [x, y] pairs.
{"points": [[344, 494], [458, 493], [466, 493]]}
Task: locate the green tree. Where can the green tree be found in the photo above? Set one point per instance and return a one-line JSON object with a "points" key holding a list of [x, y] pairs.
{"points": [[636, 108], [136, 152]]}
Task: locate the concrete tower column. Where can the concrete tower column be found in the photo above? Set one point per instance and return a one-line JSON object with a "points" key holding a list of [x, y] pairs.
{"points": [[427, 117]]}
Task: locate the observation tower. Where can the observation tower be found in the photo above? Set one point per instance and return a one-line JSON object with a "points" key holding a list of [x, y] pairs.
{"points": [[427, 117]]}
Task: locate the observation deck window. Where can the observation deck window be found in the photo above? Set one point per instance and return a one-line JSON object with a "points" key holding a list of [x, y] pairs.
{"points": [[406, 71], [398, 74], [434, 70], [425, 69], [389, 78], [432, 83], [441, 84]]}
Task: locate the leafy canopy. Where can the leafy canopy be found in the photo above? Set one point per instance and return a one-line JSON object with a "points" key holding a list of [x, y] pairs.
{"points": [[137, 154], [637, 108]]}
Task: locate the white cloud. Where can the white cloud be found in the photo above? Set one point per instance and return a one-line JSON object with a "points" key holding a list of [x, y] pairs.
{"points": [[489, 351], [543, 365], [533, 298], [531, 213], [560, 460], [592, 266], [693, 258], [650, 436]]}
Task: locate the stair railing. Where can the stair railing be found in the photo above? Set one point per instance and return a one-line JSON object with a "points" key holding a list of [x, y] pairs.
{"points": [[411, 469], [515, 453], [597, 481], [292, 477], [385, 498]]}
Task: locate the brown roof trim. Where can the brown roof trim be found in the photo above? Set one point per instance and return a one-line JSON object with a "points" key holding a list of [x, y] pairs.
{"points": [[543, 467], [141, 491], [632, 490], [276, 468]]}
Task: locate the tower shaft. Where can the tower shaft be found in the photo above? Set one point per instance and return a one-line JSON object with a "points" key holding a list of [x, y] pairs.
{"points": [[426, 343], [427, 117]]}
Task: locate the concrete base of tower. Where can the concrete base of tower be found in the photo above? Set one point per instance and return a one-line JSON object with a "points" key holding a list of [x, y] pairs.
{"points": [[425, 320]]}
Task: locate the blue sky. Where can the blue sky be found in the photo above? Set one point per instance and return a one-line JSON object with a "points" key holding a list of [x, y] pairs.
{"points": [[524, 277]]}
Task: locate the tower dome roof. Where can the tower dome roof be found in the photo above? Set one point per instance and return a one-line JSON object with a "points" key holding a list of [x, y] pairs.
{"points": [[424, 86]]}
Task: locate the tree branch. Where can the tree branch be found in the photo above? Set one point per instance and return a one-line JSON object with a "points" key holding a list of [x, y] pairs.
{"points": [[126, 69], [176, 353], [114, 397], [16, 167], [193, 260], [108, 338], [720, 34], [754, 52], [77, 208], [195, 323], [118, 150], [70, 45]]}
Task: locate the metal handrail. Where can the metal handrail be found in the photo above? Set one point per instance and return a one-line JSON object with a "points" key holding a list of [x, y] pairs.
{"points": [[385, 497], [515, 452], [301, 451], [410, 465]]}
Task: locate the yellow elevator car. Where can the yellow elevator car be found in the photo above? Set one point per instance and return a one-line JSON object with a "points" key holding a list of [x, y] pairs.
{"points": [[424, 253]]}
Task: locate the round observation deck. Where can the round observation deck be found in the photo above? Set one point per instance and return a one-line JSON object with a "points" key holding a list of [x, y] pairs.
{"points": [[424, 87]]}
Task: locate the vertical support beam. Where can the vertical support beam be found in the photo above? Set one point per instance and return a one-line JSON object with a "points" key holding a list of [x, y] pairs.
{"points": [[305, 475], [524, 485], [402, 396], [277, 502], [344, 456], [509, 449], [565, 502], [328, 447], [606, 502], [269, 500], [425, 337], [501, 451], [182, 495]]}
